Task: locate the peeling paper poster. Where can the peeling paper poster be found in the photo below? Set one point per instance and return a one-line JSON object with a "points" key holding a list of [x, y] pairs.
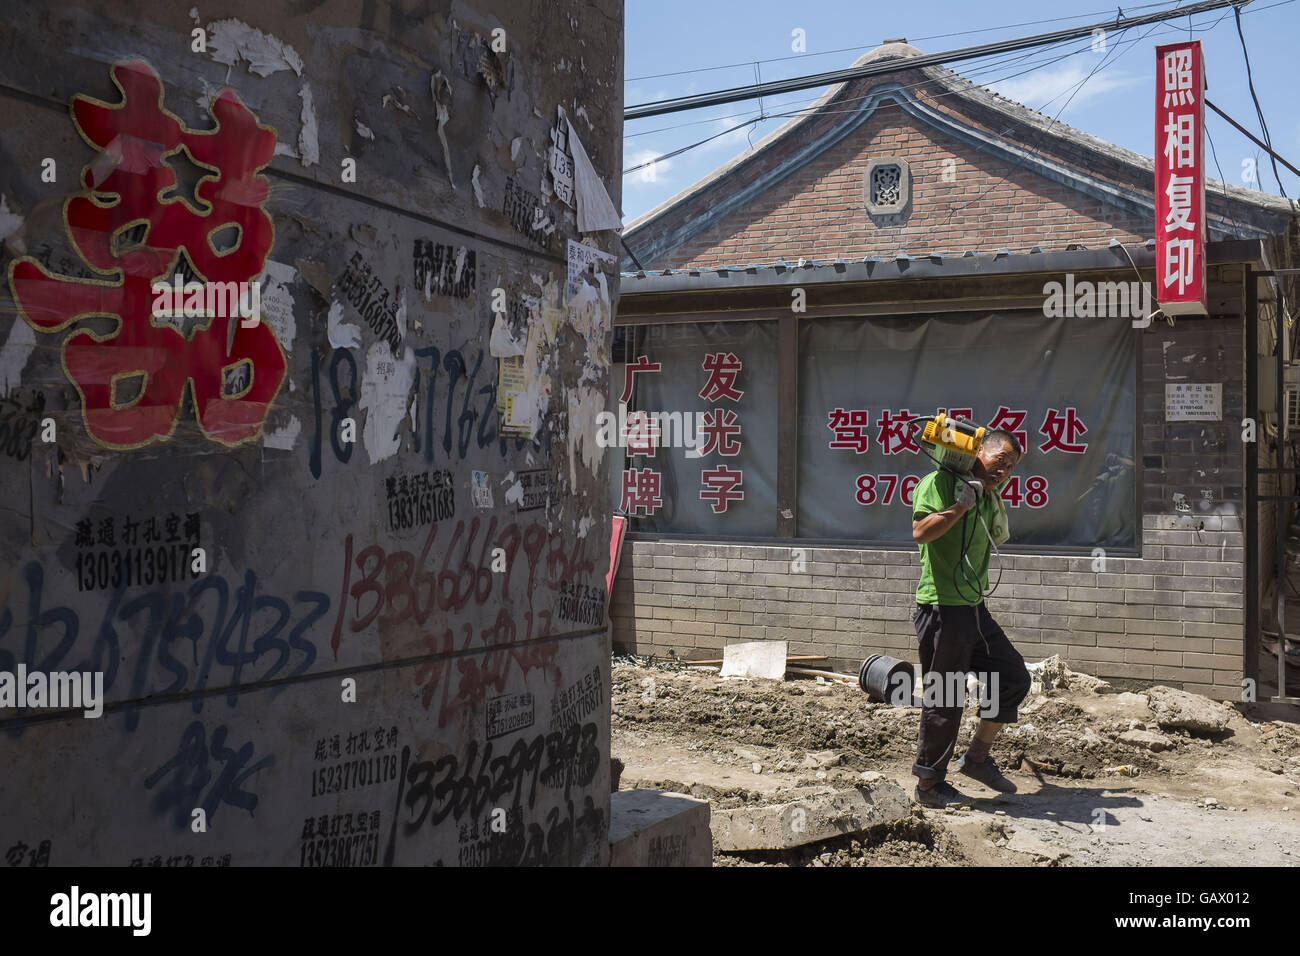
{"points": [[595, 209], [512, 409], [503, 344], [561, 162], [481, 490], [583, 258]]}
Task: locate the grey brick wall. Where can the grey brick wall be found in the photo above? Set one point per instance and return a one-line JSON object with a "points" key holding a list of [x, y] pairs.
{"points": [[1172, 619]]}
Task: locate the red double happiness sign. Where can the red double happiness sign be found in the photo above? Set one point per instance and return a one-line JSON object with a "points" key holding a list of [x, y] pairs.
{"points": [[1180, 179]]}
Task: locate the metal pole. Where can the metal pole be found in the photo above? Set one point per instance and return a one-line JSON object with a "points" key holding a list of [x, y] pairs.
{"points": [[1283, 509], [1250, 662], [1252, 137]]}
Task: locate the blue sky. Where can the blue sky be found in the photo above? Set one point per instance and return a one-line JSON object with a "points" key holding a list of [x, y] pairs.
{"points": [[1115, 104]]}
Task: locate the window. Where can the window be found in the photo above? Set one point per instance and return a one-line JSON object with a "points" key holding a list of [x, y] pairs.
{"points": [[887, 187], [1065, 388], [699, 428]]}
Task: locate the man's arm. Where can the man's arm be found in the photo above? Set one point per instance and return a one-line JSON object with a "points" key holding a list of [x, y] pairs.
{"points": [[937, 523]]}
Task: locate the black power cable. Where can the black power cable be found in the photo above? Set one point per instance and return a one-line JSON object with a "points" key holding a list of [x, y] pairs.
{"points": [[1250, 82]]}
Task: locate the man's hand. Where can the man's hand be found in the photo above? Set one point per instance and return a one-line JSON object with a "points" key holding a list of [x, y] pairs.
{"points": [[936, 524], [968, 493]]}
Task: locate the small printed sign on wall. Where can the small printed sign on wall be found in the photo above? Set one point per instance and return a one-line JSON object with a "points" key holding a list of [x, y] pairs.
{"points": [[1192, 402]]}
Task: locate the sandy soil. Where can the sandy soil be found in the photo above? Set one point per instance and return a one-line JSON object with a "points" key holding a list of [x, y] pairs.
{"points": [[1230, 799]]}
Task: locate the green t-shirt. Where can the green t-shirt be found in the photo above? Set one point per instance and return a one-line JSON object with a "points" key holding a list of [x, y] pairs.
{"points": [[935, 492]]}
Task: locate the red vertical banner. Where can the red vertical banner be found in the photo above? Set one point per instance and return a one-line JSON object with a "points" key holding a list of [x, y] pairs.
{"points": [[1180, 179]]}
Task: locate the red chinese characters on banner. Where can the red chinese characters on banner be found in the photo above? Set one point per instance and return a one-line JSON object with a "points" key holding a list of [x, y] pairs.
{"points": [[642, 364], [641, 434], [718, 429], [128, 185], [894, 432], [1180, 179], [1012, 420], [1062, 430], [640, 491], [851, 429], [721, 485], [723, 367]]}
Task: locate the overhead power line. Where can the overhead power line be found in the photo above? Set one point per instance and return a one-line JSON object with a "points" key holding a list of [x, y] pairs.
{"points": [[854, 49], [884, 67], [1257, 141], [794, 109], [1250, 81]]}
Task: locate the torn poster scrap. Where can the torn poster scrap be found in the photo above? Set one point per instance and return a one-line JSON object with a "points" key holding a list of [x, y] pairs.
{"points": [[503, 344], [513, 411], [583, 258], [595, 209], [561, 162], [481, 490]]}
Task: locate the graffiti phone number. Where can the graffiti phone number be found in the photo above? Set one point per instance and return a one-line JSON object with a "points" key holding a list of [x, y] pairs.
{"points": [[352, 774], [128, 567], [361, 849], [420, 509], [881, 489]]}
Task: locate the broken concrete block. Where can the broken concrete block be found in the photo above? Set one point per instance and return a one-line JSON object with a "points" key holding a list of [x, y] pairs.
{"points": [[1053, 673], [819, 816], [658, 828], [820, 759], [1177, 708], [1147, 739], [754, 659], [1022, 842]]}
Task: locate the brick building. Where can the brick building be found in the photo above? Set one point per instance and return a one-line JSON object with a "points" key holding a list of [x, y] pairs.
{"points": [[895, 250]]}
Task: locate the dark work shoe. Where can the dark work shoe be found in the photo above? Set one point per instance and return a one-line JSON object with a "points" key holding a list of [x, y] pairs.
{"points": [[942, 794], [986, 772]]}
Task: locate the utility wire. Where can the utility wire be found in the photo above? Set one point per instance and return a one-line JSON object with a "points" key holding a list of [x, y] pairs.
{"points": [[1256, 140], [882, 67], [1047, 59], [1020, 57], [974, 72], [854, 49], [1043, 133], [678, 152], [803, 110], [1250, 82]]}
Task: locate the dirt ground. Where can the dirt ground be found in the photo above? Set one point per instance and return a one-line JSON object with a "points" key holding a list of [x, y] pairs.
{"points": [[1231, 798]]}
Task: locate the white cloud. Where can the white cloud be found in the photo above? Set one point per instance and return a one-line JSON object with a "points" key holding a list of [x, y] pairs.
{"points": [[651, 174], [1056, 83]]}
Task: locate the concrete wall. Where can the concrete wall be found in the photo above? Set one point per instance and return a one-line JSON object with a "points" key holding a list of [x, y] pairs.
{"points": [[325, 562]]}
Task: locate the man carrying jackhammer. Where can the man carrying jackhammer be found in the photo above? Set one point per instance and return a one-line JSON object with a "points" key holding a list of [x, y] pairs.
{"points": [[955, 630]]}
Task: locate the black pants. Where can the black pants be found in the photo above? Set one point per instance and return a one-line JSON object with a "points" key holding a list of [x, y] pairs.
{"points": [[955, 639]]}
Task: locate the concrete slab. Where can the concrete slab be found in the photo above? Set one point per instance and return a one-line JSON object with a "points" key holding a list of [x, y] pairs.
{"points": [[819, 816], [659, 828], [754, 659]]}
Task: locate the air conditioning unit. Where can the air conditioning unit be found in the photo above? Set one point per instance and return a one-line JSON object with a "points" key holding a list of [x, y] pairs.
{"points": [[1291, 391]]}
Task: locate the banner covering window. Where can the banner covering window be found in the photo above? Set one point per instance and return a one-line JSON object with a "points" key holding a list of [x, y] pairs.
{"points": [[1065, 386], [699, 428]]}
